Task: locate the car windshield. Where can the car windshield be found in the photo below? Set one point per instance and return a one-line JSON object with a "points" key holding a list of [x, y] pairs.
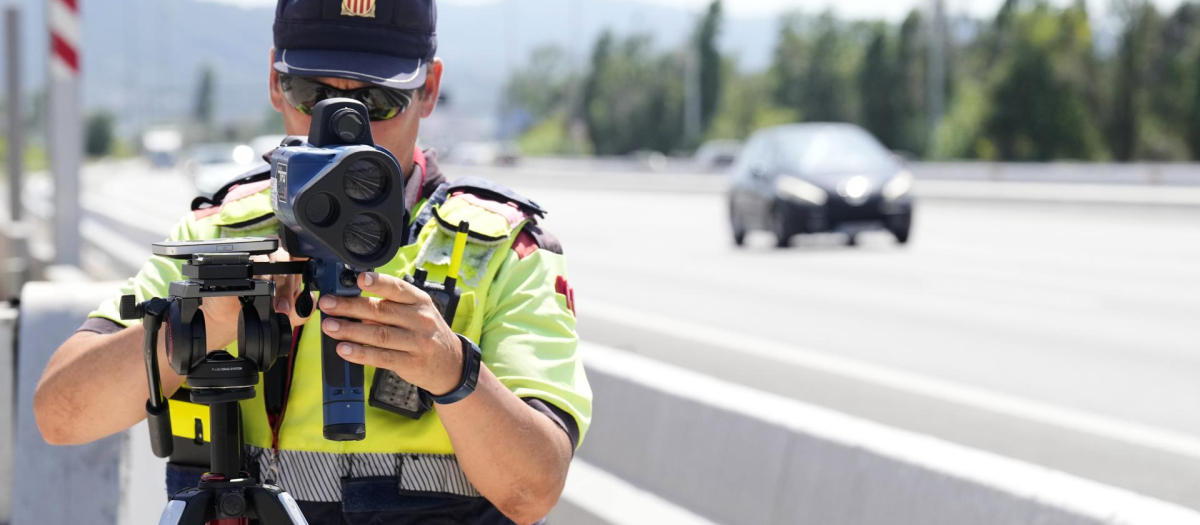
{"points": [[832, 150]]}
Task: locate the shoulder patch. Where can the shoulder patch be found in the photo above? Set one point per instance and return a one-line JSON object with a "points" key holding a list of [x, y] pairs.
{"points": [[492, 191], [533, 238]]}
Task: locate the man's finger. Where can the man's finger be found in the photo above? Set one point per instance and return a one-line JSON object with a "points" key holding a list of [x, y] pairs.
{"points": [[285, 293], [379, 335], [371, 309], [391, 288], [373, 356]]}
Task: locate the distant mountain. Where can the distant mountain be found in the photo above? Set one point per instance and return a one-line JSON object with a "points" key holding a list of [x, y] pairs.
{"points": [[142, 58]]}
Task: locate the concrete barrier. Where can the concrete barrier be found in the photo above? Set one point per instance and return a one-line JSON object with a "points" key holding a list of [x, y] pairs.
{"points": [[8, 341], [114, 480], [735, 455], [669, 446]]}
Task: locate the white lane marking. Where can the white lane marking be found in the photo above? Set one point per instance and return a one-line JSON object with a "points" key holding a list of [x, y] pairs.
{"points": [[1037, 486], [130, 215], [1071, 419], [617, 502]]}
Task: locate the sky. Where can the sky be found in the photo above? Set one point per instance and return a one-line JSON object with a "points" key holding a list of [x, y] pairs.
{"points": [[859, 9]]}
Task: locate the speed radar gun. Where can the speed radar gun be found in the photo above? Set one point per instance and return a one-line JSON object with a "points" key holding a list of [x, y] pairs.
{"points": [[340, 200]]}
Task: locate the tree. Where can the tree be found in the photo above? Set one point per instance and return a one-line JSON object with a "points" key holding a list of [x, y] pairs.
{"points": [[1039, 111], [748, 107], [203, 111], [541, 88], [911, 78], [877, 81], [710, 63], [815, 75], [790, 63], [633, 99], [98, 134], [1135, 52]]}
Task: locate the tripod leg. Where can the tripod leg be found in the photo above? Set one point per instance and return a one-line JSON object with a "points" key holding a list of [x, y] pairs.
{"points": [[189, 507], [272, 506]]}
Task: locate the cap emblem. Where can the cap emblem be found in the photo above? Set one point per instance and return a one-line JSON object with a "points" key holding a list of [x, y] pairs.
{"points": [[364, 8]]}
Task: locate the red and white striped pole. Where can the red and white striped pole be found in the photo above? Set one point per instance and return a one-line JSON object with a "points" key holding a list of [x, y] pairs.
{"points": [[65, 126]]}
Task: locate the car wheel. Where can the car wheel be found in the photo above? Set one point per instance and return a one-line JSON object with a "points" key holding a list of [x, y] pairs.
{"points": [[782, 230], [851, 239], [902, 228], [739, 228]]}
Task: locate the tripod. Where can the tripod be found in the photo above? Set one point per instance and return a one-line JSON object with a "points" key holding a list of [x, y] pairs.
{"points": [[225, 494]]}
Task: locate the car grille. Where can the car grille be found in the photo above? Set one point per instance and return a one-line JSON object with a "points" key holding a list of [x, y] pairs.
{"points": [[838, 210]]}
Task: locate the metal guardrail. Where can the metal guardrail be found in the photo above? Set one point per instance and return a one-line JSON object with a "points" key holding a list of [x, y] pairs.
{"points": [[1157, 174]]}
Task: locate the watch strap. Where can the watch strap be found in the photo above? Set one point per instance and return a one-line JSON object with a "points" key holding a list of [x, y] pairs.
{"points": [[472, 361]]}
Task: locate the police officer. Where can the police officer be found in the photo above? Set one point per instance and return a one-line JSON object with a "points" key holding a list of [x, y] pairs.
{"points": [[496, 445]]}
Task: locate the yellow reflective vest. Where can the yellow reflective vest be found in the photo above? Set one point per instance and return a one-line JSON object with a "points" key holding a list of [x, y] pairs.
{"points": [[513, 304]]}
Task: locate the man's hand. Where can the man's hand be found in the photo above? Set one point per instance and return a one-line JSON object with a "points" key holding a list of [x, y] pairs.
{"points": [[221, 313], [400, 330]]}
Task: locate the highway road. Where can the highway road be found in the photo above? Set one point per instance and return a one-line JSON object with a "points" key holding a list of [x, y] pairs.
{"points": [[1063, 335]]}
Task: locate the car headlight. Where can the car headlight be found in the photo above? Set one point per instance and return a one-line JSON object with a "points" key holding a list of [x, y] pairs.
{"points": [[802, 190], [899, 186]]}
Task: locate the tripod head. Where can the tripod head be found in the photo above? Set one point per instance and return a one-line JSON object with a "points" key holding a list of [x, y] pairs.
{"points": [[221, 268]]}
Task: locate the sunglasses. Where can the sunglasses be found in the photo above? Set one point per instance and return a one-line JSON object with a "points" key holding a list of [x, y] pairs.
{"points": [[382, 103]]}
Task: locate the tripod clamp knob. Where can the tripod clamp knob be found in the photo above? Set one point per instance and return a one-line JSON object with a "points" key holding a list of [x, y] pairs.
{"points": [[232, 504], [130, 309]]}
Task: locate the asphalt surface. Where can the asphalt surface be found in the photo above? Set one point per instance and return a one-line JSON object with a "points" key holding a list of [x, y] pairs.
{"points": [[1064, 335]]}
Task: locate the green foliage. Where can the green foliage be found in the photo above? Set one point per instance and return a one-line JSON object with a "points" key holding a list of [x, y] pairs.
{"points": [[711, 64], [633, 99], [541, 89], [912, 58], [98, 134], [960, 134], [554, 136], [1031, 84], [747, 108], [815, 66], [1040, 109], [203, 112], [877, 80]]}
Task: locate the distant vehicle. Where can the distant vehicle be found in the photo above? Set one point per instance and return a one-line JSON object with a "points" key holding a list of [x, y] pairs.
{"points": [[650, 159], [161, 146], [810, 178], [212, 166], [717, 154], [483, 154]]}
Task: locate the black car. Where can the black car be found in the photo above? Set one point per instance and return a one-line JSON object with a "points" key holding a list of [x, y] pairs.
{"points": [[809, 178]]}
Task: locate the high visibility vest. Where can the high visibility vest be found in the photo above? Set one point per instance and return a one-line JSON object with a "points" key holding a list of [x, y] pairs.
{"points": [[535, 357]]}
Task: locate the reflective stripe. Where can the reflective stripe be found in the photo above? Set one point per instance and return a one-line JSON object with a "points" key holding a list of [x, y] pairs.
{"points": [[317, 476]]}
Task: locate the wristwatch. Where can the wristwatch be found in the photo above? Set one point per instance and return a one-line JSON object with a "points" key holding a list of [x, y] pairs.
{"points": [[472, 361]]}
